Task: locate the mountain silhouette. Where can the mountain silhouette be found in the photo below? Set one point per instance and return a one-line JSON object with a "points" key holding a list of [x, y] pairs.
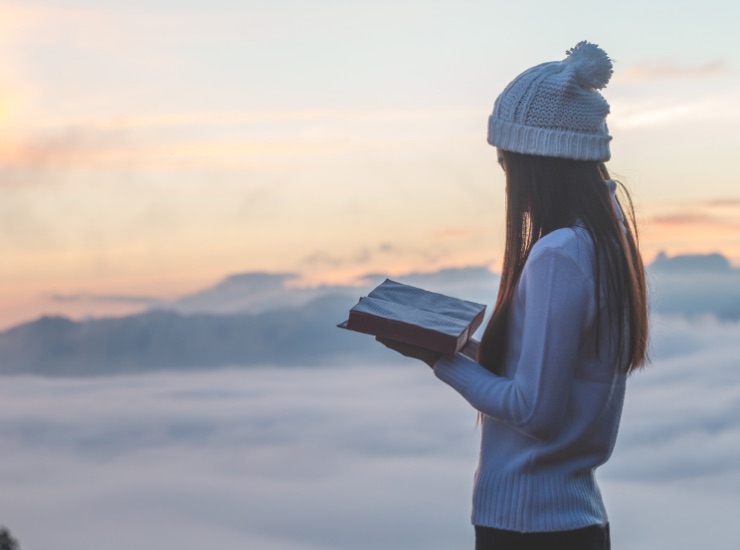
{"points": [[253, 319]]}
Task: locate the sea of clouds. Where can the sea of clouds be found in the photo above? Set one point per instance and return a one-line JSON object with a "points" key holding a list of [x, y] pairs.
{"points": [[362, 456]]}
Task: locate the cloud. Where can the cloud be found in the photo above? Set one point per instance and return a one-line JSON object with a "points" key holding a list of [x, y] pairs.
{"points": [[456, 233], [360, 455], [728, 202], [49, 158], [247, 319], [694, 286], [669, 70], [208, 119], [645, 114], [253, 293], [50, 153], [323, 259], [715, 107], [261, 318], [22, 226], [364, 256], [105, 298], [685, 421], [217, 454], [694, 218]]}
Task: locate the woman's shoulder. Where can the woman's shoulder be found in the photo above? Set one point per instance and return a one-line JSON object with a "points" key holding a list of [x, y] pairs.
{"points": [[566, 238], [572, 242]]}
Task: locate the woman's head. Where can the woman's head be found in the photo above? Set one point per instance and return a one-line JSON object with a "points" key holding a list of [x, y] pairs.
{"points": [[549, 130], [550, 133]]}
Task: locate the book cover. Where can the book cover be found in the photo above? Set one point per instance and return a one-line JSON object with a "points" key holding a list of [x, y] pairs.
{"points": [[415, 316]]}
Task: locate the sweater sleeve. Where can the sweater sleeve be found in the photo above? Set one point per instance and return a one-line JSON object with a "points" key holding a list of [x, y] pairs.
{"points": [[555, 297]]}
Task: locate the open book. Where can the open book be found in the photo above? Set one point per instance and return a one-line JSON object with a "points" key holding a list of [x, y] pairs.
{"points": [[415, 316]]}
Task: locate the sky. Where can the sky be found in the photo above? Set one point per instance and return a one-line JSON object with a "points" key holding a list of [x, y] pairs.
{"points": [[361, 456], [148, 149]]}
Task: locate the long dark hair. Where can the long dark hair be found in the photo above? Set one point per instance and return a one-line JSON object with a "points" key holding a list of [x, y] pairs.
{"points": [[545, 194]]}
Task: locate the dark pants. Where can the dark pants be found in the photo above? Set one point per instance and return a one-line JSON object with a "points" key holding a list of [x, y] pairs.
{"points": [[593, 537]]}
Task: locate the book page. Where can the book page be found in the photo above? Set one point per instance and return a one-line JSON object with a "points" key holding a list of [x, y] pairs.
{"points": [[420, 299]]}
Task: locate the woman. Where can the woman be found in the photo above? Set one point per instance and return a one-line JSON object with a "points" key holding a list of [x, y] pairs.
{"points": [[570, 321]]}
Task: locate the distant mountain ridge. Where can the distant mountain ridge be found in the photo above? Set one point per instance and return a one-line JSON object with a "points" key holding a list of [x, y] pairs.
{"points": [[262, 319], [707, 263], [162, 339], [257, 292], [245, 319], [248, 292], [694, 285]]}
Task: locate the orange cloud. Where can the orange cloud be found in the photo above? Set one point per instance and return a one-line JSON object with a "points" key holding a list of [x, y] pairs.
{"points": [[15, 92], [456, 233], [90, 148], [85, 148], [365, 256], [690, 231], [668, 69], [729, 202], [694, 219]]}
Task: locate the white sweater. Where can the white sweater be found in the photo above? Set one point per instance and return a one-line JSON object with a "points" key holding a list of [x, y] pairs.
{"points": [[552, 419]]}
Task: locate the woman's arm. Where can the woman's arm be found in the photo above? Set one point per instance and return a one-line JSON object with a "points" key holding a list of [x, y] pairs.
{"points": [[556, 298]]}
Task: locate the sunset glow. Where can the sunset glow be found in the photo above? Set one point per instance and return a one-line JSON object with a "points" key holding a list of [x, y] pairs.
{"points": [[152, 150]]}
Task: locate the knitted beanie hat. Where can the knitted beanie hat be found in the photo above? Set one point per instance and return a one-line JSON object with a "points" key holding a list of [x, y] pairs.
{"points": [[554, 110]]}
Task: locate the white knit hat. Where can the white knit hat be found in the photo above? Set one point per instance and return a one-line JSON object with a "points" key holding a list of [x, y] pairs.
{"points": [[554, 110]]}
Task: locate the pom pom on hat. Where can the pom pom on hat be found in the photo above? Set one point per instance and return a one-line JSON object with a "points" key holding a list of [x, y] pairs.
{"points": [[591, 65]]}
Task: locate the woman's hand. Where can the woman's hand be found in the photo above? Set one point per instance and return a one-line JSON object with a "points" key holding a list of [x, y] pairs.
{"points": [[409, 350]]}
